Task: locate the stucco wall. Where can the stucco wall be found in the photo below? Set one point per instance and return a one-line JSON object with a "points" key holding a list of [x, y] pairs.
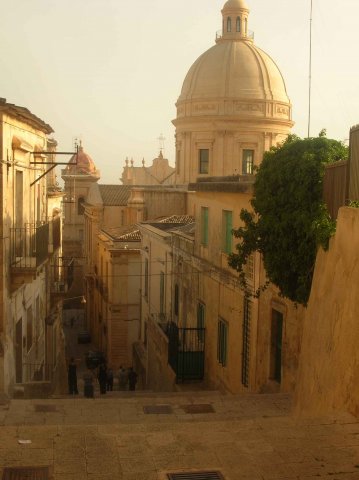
{"points": [[328, 376]]}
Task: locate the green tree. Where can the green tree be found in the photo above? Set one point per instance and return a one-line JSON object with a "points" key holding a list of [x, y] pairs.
{"points": [[289, 219]]}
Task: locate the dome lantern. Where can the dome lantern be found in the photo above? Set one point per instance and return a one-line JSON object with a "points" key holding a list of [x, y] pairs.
{"points": [[235, 21]]}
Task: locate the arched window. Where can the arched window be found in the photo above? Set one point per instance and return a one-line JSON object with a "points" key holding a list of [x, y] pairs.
{"points": [[229, 24], [80, 206], [238, 24]]}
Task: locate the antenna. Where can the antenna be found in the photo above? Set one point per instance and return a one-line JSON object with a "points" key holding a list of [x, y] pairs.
{"points": [[310, 66], [161, 140]]}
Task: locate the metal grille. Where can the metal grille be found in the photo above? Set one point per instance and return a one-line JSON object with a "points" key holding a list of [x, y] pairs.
{"points": [[195, 476], [246, 341], [157, 409], [26, 473], [199, 408]]}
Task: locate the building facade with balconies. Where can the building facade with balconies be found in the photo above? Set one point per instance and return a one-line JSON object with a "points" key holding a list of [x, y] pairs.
{"points": [[30, 247]]}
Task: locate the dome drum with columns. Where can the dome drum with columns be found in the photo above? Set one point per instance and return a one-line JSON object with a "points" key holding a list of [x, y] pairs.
{"points": [[233, 97]]}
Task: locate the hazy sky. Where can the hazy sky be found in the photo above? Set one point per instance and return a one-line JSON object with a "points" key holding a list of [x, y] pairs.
{"points": [[110, 71]]}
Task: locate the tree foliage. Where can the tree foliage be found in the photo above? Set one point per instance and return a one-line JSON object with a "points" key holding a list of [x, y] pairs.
{"points": [[289, 219]]}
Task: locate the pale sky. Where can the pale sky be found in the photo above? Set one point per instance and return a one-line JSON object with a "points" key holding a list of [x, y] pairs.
{"points": [[110, 71]]}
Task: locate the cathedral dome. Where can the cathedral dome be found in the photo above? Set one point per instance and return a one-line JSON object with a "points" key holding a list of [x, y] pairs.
{"points": [[234, 77], [81, 164]]}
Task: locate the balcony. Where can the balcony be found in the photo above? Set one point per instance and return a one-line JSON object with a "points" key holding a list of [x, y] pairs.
{"points": [[30, 248]]}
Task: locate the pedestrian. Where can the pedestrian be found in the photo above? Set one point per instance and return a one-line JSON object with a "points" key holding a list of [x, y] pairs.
{"points": [[102, 377], [132, 379], [109, 380], [122, 378], [88, 384], [72, 377]]}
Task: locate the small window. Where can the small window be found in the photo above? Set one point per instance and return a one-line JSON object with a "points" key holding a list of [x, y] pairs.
{"points": [[222, 342], [229, 24], [80, 206], [238, 24], [176, 301], [204, 226], [178, 165], [227, 231], [146, 277], [203, 155], [247, 162]]}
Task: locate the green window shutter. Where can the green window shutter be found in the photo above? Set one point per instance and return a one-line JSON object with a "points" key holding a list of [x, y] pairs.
{"points": [[204, 226], [222, 342], [227, 231]]}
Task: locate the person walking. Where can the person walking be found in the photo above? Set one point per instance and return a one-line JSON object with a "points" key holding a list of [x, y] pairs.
{"points": [[122, 378], [132, 379], [109, 379], [72, 377], [102, 377]]}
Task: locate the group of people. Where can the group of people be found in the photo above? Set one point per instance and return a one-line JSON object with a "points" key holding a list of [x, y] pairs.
{"points": [[105, 377]]}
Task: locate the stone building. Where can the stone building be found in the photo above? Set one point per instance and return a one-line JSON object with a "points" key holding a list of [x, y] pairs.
{"points": [[233, 106], [159, 173], [78, 176], [31, 231]]}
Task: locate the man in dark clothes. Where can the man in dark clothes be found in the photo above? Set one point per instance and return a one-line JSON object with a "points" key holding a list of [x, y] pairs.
{"points": [[102, 377], [72, 377], [132, 379]]}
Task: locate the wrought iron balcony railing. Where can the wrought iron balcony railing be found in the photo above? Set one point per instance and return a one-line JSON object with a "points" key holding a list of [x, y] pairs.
{"points": [[29, 245]]}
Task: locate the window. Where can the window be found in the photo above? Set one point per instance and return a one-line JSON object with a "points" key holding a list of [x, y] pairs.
{"points": [[178, 157], [247, 315], [247, 162], [176, 300], [222, 342], [146, 277], [204, 226], [227, 231], [162, 293], [229, 24], [203, 157], [29, 328], [201, 311], [80, 206], [238, 24]]}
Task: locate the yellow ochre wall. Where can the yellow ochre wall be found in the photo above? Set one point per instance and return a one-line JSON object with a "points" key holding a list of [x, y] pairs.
{"points": [[329, 365]]}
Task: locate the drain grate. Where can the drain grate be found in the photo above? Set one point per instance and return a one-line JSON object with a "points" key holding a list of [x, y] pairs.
{"points": [[157, 409], [45, 408], [199, 408], [26, 473], [195, 476]]}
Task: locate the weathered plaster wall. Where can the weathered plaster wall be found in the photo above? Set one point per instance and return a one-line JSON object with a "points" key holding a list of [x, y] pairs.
{"points": [[329, 366]]}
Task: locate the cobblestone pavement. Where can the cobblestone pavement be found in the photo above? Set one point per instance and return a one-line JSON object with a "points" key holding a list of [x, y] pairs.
{"points": [[244, 437]]}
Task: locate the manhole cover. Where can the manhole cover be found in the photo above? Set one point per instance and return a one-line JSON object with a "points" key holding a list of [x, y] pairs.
{"points": [[195, 476], [45, 408], [157, 409], [200, 408], [26, 473]]}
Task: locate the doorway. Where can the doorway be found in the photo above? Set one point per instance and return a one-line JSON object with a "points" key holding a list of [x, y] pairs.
{"points": [[276, 346], [18, 351]]}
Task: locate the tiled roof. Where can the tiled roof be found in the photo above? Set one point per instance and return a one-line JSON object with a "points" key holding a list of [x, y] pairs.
{"points": [[184, 219], [188, 229], [123, 234], [114, 195], [24, 115]]}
